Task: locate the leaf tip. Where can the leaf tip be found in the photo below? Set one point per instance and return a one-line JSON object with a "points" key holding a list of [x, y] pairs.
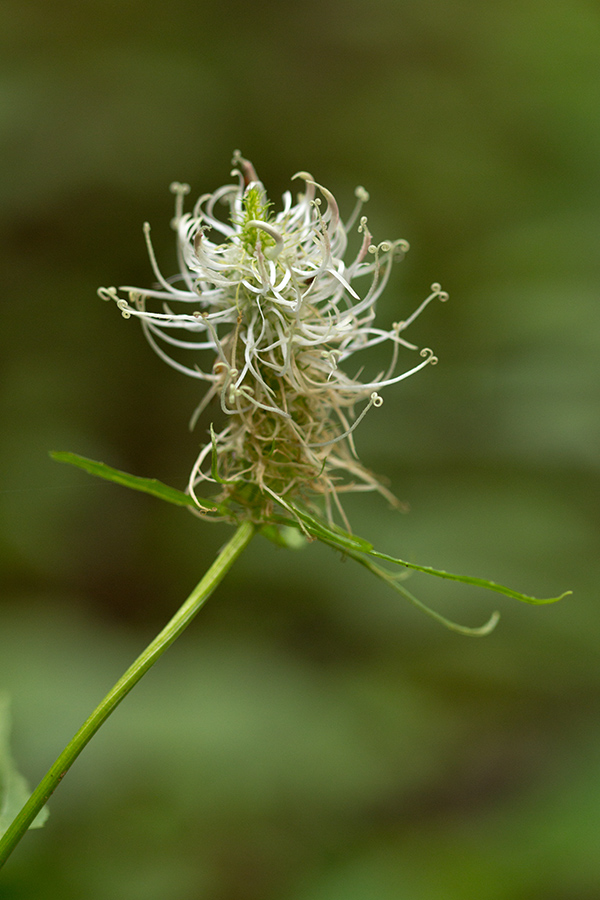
{"points": [[489, 626]]}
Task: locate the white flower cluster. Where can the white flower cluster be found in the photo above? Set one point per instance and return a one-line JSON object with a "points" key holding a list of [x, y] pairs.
{"points": [[270, 297]]}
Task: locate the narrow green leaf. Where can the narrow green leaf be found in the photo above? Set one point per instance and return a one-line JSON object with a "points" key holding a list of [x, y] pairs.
{"points": [[14, 791], [363, 552], [389, 579], [331, 534], [468, 579], [147, 485]]}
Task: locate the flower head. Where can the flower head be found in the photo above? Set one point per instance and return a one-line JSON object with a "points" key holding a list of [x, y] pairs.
{"points": [[268, 301]]}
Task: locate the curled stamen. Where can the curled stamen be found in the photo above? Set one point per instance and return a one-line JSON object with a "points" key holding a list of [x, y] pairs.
{"points": [[108, 293], [431, 358], [362, 196], [436, 291], [124, 307], [374, 400]]}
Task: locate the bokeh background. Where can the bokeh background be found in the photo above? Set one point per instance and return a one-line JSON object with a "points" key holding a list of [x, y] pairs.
{"points": [[311, 737]]}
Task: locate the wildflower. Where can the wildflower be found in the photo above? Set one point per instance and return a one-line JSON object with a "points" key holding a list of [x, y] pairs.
{"points": [[270, 298]]}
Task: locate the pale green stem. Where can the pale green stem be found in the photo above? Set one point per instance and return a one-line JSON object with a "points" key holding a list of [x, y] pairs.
{"points": [[170, 632]]}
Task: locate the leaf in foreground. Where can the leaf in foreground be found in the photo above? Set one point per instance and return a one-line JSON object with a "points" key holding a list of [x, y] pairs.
{"points": [[14, 791]]}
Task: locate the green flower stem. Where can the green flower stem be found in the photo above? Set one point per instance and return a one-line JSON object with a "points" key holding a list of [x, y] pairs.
{"points": [[156, 648]]}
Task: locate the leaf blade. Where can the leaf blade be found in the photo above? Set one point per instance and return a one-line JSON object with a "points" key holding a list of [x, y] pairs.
{"points": [[363, 552], [470, 579], [325, 532], [14, 790], [151, 486], [469, 631]]}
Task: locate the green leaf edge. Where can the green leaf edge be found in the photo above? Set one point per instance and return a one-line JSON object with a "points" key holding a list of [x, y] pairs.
{"points": [[14, 789], [470, 579], [151, 486], [346, 541], [390, 580]]}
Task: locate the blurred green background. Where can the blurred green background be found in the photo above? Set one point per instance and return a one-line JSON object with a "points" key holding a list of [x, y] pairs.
{"points": [[311, 737]]}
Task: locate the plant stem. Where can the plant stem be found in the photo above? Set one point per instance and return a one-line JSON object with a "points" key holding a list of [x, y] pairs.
{"points": [[156, 648]]}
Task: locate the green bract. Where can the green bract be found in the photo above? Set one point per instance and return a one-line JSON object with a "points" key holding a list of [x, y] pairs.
{"points": [[317, 528]]}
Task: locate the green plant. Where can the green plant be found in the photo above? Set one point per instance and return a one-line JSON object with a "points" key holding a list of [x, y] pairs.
{"points": [[271, 304]]}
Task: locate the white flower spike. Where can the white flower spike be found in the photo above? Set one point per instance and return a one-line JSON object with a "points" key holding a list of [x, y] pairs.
{"points": [[268, 300]]}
